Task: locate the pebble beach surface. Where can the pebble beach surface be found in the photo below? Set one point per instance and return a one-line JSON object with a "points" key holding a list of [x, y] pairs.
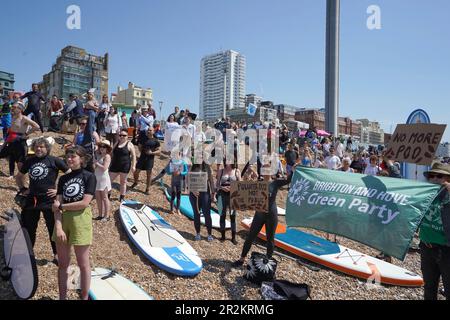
{"points": [[217, 281]]}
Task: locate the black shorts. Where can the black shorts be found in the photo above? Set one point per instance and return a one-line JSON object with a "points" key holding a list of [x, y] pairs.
{"points": [[142, 138], [145, 163], [120, 167], [18, 150]]}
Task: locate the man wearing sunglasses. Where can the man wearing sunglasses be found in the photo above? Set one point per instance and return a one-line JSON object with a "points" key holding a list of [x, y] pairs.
{"points": [[88, 139], [435, 236]]}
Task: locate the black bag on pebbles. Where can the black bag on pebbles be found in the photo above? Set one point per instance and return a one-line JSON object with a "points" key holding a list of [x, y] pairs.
{"points": [[260, 268]]}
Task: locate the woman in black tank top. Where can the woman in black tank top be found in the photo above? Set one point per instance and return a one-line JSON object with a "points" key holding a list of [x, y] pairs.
{"points": [[123, 161]]}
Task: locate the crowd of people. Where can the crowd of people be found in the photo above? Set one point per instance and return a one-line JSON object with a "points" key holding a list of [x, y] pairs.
{"points": [[106, 146]]}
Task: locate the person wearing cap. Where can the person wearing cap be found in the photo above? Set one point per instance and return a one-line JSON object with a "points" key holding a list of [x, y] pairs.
{"points": [[15, 145], [434, 234], [103, 186], [42, 170], [145, 122], [34, 104]]}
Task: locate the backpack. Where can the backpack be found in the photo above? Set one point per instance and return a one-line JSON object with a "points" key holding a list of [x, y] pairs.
{"points": [[285, 290], [260, 268]]}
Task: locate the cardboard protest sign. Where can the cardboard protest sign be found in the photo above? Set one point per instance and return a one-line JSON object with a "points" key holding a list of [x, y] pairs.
{"points": [[198, 181], [250, 195], [415, 143]]}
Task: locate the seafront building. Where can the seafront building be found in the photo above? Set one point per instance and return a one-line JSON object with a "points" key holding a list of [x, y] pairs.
{"points": [[222, 84], [76, 71]]}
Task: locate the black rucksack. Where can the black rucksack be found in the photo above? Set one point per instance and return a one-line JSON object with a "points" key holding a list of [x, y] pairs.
{"points": [[260, 268]]}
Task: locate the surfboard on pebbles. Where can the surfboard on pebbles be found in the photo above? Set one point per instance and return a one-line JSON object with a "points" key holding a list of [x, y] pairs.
{"points": [[340, 258], [186, 209], [158, 240], [20, 268], [109, 285]]}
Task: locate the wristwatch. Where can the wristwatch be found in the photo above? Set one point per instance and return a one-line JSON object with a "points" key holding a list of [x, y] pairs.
{"points": [[60, 207]]}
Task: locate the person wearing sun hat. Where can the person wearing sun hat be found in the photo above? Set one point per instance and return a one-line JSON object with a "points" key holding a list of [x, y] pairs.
{"points": [[435, 235], [103, 186]]}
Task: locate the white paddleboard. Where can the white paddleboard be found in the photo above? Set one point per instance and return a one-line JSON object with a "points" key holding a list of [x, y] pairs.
{"points": [[109, 285], [158, 240], [340, 258]]}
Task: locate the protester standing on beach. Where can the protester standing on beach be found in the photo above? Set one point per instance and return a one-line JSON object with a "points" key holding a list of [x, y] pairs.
{"points": [[103, 111], [103, 186], [123, 162], [34, 104], [269, 219], [42, 170], [230, 173], [178, 169], [145, 121], [112, 126], [373, 169], [332, 161], [15, 145], [88, 139], [202, 201], [150, 149], [73, 219], [435, 236], [91, 108]]}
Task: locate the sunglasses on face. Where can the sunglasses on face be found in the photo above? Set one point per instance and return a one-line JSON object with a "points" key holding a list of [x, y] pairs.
{"points": [[83, 124], [433, 175], [123, 135]]}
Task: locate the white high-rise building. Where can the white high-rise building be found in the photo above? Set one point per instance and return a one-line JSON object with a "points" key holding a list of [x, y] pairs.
{"points": [[217, 71]]}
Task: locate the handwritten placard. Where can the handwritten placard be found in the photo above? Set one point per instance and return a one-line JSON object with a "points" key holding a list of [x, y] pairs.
{"points": [[250, 195], [415, 143]]}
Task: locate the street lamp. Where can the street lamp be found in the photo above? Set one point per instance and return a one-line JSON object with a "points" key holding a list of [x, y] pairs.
{"points": [[160, 109]]}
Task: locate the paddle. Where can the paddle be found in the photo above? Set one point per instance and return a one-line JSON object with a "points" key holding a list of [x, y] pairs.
{"points": [[310, 267]]}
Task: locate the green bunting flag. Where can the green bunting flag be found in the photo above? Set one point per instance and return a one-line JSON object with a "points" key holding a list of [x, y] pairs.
{"points": [[383, 213]]}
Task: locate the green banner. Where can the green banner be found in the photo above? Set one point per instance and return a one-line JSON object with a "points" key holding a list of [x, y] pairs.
{"points": [[383, 213]]}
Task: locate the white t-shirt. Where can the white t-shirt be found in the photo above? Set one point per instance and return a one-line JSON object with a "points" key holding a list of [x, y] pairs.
{"points": [[372, 170], [112, 123], [105, 107], [340, 150], [333, 162]]}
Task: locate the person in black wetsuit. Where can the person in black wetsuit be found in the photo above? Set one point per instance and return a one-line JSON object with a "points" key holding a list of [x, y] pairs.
{"points": [[43, 171], [269, 219], [34, 104]]}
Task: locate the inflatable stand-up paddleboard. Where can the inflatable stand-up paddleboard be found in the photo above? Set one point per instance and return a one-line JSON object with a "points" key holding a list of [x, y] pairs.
{"points": [[109, 285], [340, 258], [20, 265], [158, 240], [186, 209]]}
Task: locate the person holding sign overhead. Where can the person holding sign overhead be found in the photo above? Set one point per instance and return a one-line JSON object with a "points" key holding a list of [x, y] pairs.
{"points": [[202, 200], [269, 218]]}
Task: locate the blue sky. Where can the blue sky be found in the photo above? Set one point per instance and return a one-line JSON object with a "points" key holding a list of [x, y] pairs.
{"points": [[385, 74]]}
